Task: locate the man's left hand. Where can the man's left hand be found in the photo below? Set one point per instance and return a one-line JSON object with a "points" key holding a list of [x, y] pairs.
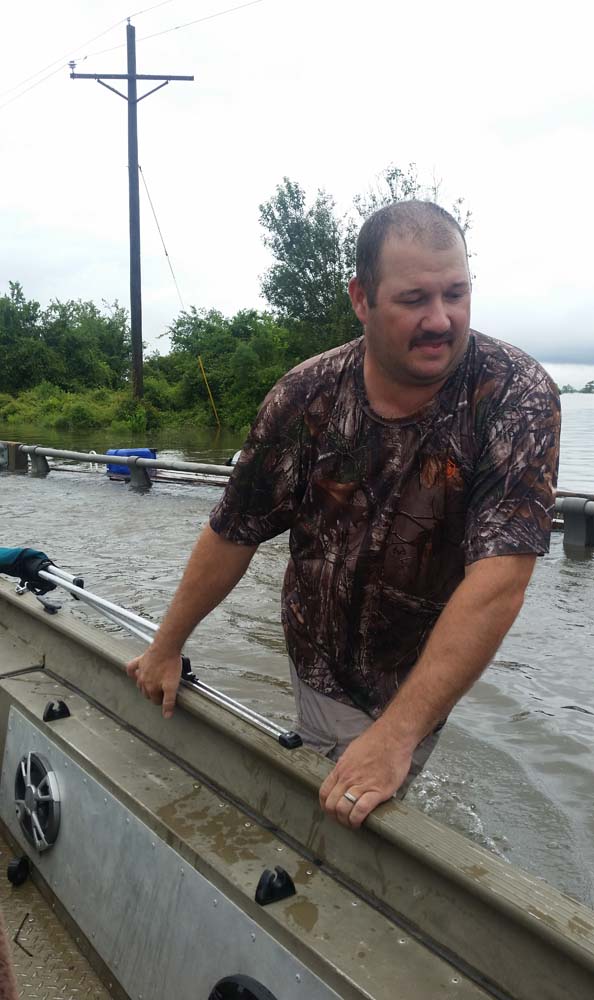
{"points": [[371, 770]]}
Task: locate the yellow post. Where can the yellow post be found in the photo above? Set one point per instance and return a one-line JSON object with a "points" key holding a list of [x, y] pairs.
{"points": [[212, 402]]}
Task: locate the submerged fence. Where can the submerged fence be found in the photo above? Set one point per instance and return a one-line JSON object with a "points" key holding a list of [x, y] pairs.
{"points": [[576, 509]]}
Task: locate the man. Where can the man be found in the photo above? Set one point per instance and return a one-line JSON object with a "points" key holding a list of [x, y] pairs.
{"points": [[415, 469]]}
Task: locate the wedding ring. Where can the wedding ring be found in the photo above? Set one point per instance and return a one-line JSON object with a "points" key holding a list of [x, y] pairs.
{"points": [[352, 798]]}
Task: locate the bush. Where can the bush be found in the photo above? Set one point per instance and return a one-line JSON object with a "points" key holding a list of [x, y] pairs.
{"points": [[78, 413], [158, 392], [8, 406]]}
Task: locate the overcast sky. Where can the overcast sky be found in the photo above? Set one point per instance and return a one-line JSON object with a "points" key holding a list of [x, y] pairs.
{"points": [[496, 100]]}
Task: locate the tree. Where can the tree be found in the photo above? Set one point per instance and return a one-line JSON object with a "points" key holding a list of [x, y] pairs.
{"points": [[243, 357], [312, 249], [24, 359], [72, 345], [90, 349], [394, 184], [314, 255]]}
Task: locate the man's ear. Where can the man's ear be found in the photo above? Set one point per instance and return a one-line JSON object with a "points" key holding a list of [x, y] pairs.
{"points": [[358, 300]]}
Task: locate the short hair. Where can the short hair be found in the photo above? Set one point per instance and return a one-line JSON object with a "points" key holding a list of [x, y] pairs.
{"points": [[418, 220]]}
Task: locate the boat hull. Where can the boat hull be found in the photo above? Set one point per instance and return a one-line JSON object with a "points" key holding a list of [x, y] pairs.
{"points": [[402, 908]]}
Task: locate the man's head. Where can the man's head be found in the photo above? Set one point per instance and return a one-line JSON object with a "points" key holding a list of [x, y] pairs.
{"points": [[412, 292], [423, 221]]}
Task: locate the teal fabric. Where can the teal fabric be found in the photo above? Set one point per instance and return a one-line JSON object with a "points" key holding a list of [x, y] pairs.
{"points": [[11, 560]]}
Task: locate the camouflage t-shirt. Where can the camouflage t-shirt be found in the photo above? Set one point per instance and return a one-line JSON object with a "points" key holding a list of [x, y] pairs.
{"points": [[385, 514]]}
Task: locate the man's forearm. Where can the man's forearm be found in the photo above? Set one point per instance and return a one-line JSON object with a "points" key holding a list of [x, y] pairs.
{"points": [[465, 638], [214, 568]]}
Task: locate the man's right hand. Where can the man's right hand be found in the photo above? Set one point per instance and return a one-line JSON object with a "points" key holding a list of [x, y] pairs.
{"points": [[214, 568], [157, 676]]}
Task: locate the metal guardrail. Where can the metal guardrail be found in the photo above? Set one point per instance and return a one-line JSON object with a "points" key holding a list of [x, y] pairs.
{"points": [[577, 509], [578, 520], [16, 460]]}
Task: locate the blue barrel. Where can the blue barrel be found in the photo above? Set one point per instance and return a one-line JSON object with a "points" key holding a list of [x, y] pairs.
{"points": [[115, 469]]}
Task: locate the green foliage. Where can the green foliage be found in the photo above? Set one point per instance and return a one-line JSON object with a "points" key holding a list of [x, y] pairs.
{"points": [[158, 392], [588, 389], [47, 405], [67, 366], [394, 184], [313, 248], [242, 356], [72, 345], [314, 256]]}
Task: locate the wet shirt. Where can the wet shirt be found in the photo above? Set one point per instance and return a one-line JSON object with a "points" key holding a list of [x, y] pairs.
{"points": [[384, 515]]}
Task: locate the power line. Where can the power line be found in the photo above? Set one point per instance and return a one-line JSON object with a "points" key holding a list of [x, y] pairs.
{"points": [[178, 27], [43, 79], [63, 63], [62, 59], [179, 295], [209, 17], [147, 10]]}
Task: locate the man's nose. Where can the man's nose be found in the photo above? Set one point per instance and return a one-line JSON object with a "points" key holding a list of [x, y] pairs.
{"points": [[436, 319]]}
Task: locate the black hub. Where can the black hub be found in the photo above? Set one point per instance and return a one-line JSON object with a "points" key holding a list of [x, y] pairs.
{"points": [[37, 801], [240, 988]]}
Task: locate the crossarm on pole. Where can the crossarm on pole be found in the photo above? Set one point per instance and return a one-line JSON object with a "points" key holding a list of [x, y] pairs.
{"points": [[113, 89]]}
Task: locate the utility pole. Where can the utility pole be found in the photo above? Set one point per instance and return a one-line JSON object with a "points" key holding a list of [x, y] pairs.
{"points": [[133, 100]]}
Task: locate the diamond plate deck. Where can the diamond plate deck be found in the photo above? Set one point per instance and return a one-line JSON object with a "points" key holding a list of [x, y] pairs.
{"points": [[48, 965]]}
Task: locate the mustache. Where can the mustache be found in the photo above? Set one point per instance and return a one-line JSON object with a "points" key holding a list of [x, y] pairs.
{"points": [[430, 338]]}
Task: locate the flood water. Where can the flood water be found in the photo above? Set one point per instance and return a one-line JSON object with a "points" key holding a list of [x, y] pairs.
{"points": [[514, 769]]}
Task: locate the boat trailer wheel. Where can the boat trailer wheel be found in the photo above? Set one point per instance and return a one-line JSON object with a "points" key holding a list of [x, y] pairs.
{"points": [[37, 801], [240, 988]]}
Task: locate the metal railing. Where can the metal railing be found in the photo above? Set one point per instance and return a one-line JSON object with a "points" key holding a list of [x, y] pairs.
{"points": [[578, 520], [576, 508], [145, 630], [137, 466]]}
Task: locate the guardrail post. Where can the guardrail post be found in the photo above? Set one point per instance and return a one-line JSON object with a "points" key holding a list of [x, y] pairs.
{"points": [[11, 458], [39, 465], [139, 477], [578, 522]]}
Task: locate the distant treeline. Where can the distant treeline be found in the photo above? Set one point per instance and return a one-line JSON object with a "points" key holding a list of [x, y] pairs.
{"points": [[588, 388], [68, 365]]}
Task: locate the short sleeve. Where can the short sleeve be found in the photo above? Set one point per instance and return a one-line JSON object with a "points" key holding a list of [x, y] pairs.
{"points": [[512, 495], [267, 483]]}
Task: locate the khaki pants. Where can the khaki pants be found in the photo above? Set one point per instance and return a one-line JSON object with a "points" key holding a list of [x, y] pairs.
{"points": [[327, 726]]}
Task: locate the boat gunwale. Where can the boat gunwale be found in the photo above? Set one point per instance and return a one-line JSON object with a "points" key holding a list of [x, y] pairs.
{"points": [[541, 911]]}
